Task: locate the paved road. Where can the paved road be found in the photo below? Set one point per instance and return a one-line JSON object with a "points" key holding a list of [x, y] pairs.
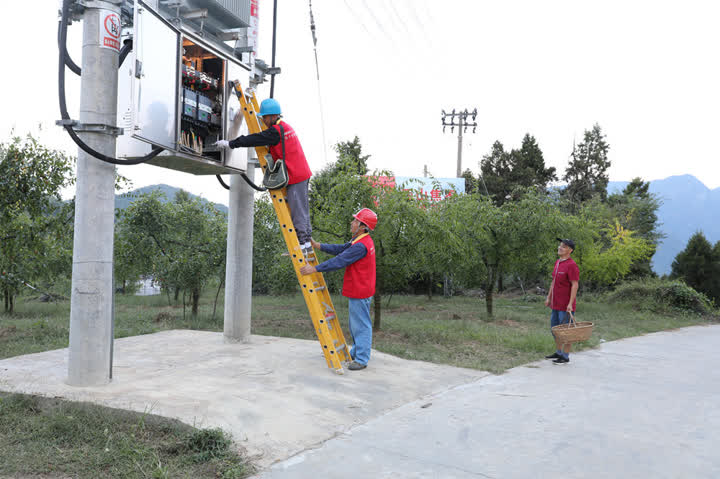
{"points": [[646, 407]]}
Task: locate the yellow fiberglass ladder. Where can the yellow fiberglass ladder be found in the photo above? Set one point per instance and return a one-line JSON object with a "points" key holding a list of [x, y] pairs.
{"points": [[314, 289]]}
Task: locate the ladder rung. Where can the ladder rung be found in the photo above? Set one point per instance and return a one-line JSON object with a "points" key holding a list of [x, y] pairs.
{"points": [[330, 316], [320, 288]]}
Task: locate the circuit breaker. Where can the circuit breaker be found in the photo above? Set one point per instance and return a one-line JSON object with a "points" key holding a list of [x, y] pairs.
{"points": [[174, 92]]}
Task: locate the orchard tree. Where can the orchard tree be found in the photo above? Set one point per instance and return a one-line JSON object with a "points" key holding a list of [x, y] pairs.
{"points": [[503, 238], [181, 244], [272, 274], [35, 225], [350, 162]]}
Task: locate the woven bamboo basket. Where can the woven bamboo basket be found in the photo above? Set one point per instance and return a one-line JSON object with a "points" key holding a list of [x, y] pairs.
{"points": [[573, 332]]}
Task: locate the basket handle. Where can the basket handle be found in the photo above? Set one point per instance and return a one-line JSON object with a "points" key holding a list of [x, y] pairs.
{"points": [[572, 322]]}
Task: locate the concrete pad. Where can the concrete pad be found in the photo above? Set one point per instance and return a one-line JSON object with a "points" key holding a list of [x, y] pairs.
{"points": [[276, 396], [644, 407]]}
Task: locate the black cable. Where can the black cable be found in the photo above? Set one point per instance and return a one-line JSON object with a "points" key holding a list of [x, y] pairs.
{"points": [[63, 105], [68, 61], [126, 49], [272, 76], [247, 180], [224, 185], [252, 185]]}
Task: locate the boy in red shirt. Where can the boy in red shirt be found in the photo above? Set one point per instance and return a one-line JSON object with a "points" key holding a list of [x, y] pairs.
{"points": [[561, 297]]}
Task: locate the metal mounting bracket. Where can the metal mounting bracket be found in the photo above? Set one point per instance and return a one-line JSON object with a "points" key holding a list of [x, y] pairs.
{"points": [[92, 127]]}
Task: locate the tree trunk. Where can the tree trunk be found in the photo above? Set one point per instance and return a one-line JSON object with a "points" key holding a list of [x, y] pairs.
{"points": [[217, 295], [177, 294], [12, 303], [378, 310], [7, 302], [500, 280], [195, 301], [489, 285], [429, 287]]}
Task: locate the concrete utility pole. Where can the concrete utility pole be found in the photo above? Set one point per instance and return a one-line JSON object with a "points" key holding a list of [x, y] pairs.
{"points": [[462, 123], [238, 264], [91, 305]]}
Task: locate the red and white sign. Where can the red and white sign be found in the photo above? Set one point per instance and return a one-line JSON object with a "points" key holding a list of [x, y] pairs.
{"points": [[109, 30]]}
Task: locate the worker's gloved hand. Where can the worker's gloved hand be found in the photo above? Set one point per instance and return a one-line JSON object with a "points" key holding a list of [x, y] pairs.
{"points": [[222, 144]]}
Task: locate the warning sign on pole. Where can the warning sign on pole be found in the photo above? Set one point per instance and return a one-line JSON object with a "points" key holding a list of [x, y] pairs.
{"points": [[109, 30]]}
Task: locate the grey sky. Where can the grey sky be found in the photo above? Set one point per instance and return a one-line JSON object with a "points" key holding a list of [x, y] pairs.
{"points": [[647, 72]]}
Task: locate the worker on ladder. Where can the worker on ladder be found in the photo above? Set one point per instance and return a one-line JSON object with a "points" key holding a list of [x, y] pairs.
{"points": [[297, 166], [358, 257]]}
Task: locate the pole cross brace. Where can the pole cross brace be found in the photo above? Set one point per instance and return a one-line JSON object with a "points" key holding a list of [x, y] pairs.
{"points": [[91, 127]]}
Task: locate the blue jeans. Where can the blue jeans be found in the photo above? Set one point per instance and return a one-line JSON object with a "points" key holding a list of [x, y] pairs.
{"points": [[558, 317], [360, 329]]}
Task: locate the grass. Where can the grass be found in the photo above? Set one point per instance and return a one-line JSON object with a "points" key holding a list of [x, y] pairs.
{"points": [[454, 331], [53, 438], [42, 437]]}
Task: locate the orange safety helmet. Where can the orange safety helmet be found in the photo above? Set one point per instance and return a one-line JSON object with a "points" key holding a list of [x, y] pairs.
{"points": [[367, 217]]}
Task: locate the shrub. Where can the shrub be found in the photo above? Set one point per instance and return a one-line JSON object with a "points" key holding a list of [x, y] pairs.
{"points": [[657, 294], [207, 444]]}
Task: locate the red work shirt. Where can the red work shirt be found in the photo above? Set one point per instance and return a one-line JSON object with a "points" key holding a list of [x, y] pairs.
{"points": [[359, 279], [563, 274], [297, 165]]}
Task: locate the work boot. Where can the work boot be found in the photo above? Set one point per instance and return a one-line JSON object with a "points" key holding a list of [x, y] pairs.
{"points": [[552, 356], [356, 366]]}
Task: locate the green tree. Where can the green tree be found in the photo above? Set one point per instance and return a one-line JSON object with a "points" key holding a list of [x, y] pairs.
{"points": [[714, 285], [35, 224], [502, 238], [350, 162], [400, 240], [698, 265], [182, 245], [586, 175], [340, 191], [611, 251], [509, 174], [472, 184], [636, 209], [272, 273], [495, 169]]}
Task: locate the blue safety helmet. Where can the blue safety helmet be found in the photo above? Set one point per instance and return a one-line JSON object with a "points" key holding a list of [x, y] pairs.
{"points": [[270, 106]]}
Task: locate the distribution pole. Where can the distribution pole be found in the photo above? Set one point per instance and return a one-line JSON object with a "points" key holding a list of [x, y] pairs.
{"points": [[462, 123], [91, 304]]}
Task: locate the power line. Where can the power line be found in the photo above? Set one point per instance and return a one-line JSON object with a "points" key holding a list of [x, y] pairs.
{"points": [[355, 15], [317, 71]]}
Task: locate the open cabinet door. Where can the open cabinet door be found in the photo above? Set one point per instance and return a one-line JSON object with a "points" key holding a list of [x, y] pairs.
{"points": [[156, 45]]}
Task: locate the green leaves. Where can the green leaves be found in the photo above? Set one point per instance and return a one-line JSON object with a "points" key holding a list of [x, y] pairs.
{"points": [[35, 225], [181, 244], [699, 265], [586, 174]]}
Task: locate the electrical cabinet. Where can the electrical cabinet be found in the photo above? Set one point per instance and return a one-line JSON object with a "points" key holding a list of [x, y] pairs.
{"points": [[174, 92]]}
